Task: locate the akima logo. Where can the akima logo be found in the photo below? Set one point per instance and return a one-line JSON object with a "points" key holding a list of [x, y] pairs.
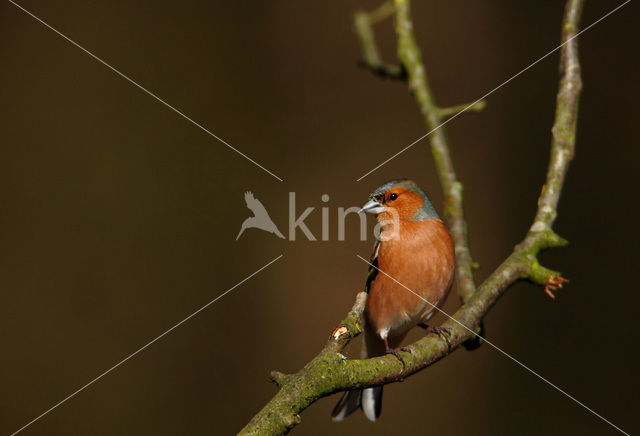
{"points": [[260, 219]]}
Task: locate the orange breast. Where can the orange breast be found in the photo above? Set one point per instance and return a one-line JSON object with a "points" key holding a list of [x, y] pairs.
{"points": [[423, 260]]}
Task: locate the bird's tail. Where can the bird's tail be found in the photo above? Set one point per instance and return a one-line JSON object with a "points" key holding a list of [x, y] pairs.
{"points": [[349, 403], [369, 399]]}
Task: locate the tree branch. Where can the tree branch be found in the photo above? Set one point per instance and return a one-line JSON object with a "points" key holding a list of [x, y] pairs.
{"points": [[363, 25], [330, 371]]}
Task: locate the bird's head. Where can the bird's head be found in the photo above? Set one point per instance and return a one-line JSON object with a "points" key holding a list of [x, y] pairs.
{"points": [[400, 199]]}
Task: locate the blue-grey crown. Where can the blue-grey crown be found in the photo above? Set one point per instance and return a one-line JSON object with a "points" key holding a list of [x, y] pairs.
{"points": [[426, 212]]}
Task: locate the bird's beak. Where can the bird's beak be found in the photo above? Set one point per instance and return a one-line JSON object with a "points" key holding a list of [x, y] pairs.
{"points": [[372, 206]]}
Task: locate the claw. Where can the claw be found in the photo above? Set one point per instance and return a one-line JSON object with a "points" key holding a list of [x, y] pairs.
{"points": [[395, 352], [443, 332], [553, 284]]}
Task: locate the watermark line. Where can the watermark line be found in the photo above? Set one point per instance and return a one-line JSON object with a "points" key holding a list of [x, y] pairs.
{"points": [[499, 349], [494, 90], [124, 76], [143, 347]]}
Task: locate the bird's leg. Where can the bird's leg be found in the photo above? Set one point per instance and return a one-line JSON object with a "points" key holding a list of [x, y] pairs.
{"points": [[394, 351], [443, 332]]}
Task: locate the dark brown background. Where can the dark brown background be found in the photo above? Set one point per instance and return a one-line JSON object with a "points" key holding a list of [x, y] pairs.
{"points": [[119, 217]]}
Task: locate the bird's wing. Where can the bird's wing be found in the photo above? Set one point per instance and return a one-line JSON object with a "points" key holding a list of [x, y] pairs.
{"points": [[249, 199], [254, 204], [373, 268]]}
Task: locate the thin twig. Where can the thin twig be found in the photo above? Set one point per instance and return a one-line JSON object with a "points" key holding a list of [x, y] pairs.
{"points": [[448, 112], [363, 24]]}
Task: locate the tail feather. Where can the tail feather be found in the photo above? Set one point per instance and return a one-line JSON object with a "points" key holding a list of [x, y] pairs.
{"points": [[372, 402], [349, 403], [369, 399]]}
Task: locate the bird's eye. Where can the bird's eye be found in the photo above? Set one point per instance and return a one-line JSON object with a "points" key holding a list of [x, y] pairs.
{"points": [[393, 196]]}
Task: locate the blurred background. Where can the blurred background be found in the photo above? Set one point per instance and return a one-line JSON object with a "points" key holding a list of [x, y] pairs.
{"points": [[119, 218]]}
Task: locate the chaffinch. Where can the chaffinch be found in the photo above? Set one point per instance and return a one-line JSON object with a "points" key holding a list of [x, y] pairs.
{"points": [[416, 249]]}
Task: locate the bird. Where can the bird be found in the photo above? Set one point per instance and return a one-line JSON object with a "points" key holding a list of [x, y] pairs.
{"points": [[260, 219], [414, 250]]}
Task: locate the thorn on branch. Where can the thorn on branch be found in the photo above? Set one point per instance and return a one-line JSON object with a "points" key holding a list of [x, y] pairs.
{"points": [[279, 378], [538, 240], [448, 112], [553, 240]]}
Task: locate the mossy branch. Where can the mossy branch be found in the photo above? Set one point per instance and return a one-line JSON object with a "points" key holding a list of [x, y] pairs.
{"points": [[330, 371]]}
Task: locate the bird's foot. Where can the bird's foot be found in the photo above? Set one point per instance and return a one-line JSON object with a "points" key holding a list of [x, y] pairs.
{"points": [[553, 284], [396, 352], [443, 332]]}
